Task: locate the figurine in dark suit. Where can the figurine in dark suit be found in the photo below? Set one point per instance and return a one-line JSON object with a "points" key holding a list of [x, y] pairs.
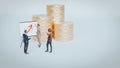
{"points": [[26, 41]]}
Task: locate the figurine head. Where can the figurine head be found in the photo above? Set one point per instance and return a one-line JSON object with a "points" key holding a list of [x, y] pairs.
{"points": [[49, 30], [38, 24], [25, 31]]}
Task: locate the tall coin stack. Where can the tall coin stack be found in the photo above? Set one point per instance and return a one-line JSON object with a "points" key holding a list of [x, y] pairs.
{"points": [[62, 31], [44, 22], [56, 14]]}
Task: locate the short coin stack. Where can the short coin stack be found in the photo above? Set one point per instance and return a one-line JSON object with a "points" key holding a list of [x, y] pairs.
{"points": [[44, 22], [63, 32]]}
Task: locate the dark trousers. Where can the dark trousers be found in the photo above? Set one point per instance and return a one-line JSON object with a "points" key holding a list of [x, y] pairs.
{"points": [[25, 46], [49, 43]]}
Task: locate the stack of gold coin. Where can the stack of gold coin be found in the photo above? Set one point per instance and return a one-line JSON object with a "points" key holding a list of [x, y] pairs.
{"points": [[56, 13], [45, 24], [63, 31]]}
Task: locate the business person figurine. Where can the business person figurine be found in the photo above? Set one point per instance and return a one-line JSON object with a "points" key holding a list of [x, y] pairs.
{"points": [[38, 35], [26, 41], [49, 40]]}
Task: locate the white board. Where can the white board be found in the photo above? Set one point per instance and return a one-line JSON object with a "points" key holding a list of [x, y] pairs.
{"points": [[29, 26]]}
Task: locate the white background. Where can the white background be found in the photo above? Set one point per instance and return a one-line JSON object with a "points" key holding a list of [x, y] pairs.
{"points": [[96, 41]]}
